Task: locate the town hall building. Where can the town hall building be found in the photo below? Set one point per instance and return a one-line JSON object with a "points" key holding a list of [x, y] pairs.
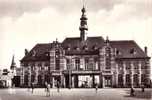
{"points": [[84, 62]]}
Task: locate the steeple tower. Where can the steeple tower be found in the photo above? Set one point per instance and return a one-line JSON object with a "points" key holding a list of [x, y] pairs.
{"points": [[13, 64], [83, 24]]}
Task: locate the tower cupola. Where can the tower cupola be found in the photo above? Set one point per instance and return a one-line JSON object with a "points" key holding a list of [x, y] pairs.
{"points": [[83, 24]]}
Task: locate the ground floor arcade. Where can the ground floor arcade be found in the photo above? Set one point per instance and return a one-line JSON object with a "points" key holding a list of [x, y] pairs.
{"points": [[86, 79]]}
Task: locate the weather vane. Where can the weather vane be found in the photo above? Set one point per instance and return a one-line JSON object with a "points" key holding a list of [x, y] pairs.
{"points": [[83, 1]]}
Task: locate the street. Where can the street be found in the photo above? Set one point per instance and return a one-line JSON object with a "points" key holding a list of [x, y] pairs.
{"points": [[74, 94]]}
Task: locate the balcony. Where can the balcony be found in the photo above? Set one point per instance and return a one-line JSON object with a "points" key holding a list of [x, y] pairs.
{"points": [[107, 72], [82, 72], [85, 72]]}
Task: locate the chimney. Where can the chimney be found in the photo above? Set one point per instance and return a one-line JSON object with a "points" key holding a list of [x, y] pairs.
{"points": [[146, 50]]}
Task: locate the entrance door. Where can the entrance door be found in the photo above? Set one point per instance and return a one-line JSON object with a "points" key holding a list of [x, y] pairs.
{"points": [[108, 81], [56, 79]]}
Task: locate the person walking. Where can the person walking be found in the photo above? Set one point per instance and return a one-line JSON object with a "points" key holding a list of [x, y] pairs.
{"points": [[132, 91], [96, 87], [32, 86], [48, 90], [58, 86], [142, 88], [45, 86]]}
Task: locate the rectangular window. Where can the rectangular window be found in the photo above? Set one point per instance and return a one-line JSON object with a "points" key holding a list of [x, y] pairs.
{"points": [[77, 63], [96, 64], [46, 65], [86, 63], [143, 65], [128, 65], [68, 63], [40, 66], [57, 59], [108, 58], [57, 64], [143, 78], [120, 66], [32, 68], [136, 65], [26, 79]]}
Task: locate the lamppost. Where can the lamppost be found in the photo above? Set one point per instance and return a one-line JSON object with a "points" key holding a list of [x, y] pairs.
{"points": [[69, 77], [70, 71]]}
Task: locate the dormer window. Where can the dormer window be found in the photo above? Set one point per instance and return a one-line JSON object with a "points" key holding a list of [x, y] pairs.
{"points": [[46, 54], [34, 53], [85, 47], [118, 52], [77, 48], [68, 48], [94, 47], [132, 51]]}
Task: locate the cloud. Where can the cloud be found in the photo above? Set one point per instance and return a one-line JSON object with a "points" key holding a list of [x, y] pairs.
{"points": [[16, 8]]}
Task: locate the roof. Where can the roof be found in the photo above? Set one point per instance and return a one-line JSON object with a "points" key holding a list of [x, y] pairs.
{"points": [[38, 53], [125, 49], [90, 42], [128, 49]]}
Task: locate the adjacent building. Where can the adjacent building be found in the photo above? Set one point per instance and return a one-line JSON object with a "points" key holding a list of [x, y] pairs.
{"points": [[85, 62]]}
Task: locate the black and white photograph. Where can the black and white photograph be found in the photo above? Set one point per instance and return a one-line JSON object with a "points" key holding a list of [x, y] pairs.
{"points": [[75, 50]]}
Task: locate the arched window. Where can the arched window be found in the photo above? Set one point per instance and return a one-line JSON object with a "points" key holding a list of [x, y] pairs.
{"points": [[26, 79], [32, 78], [128, 80], [120, 80], [39, 79], [135, 78], [47, 78]]}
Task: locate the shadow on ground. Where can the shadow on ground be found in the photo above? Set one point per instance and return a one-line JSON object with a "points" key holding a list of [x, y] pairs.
{"points": [[139, 94]]}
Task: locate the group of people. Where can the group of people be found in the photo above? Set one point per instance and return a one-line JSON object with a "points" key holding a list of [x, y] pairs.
{"points": [[47, 87], [132, 90]]}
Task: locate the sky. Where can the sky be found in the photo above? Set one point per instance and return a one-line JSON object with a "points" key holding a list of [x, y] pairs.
{"points": [[24, 23]]}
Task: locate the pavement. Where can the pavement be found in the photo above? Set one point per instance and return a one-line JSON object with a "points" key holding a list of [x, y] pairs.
{"points": [[75, 94]]}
